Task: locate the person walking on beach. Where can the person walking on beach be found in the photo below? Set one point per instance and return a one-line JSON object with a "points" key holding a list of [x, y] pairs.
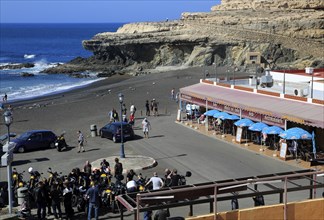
{"points": [[132, 109], [132, 120], [147, 106], [146, 127], [80, 142], [172, 94], [5, 98], [155, 107]]}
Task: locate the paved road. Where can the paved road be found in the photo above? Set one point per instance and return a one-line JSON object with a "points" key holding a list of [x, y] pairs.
{"points": [[171, 144]]}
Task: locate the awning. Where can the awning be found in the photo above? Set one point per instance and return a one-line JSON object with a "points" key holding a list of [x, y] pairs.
{"points": [[299, 112]]}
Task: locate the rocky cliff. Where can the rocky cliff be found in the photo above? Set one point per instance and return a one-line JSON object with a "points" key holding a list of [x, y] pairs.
{"points": [[286, 33]]}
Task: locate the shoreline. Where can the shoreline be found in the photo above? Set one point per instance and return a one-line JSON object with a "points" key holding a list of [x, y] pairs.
{"points": [[77, 109], [60, 94]]}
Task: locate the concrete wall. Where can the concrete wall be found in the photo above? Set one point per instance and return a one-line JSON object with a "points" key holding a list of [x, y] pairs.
{"points": [[310, 210]]}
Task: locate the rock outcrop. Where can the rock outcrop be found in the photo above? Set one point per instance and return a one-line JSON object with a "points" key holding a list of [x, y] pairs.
{"points": [[289, 33]]}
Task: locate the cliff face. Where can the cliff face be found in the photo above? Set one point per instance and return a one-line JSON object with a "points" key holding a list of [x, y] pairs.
{"points": [[287, 32]]}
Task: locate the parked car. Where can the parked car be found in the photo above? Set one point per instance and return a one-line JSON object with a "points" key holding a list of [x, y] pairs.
{"points": [[36, 139], [113, 131]]}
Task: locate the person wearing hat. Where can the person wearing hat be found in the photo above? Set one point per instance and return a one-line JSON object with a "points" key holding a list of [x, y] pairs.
{"points": [[146, 127]]}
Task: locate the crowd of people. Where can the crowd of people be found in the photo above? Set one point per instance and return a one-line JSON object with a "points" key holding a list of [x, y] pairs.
{"points": [[49, 194]]}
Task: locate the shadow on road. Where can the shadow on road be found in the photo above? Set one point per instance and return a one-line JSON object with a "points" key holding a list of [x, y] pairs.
{"points": [[179, 155], [22, 162], [91, 149], [68, 148]]}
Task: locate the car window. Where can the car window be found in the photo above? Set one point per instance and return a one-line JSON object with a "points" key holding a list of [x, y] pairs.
{"points": [[25, 135], [127, 126], [113, 128], [36, 137], [48, 135]]}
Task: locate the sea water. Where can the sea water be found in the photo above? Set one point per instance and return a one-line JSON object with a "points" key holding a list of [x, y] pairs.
{"points": [[45, 45]]}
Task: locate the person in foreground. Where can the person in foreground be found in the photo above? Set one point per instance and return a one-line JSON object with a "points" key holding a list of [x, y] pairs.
{"points": [[93, 196]]}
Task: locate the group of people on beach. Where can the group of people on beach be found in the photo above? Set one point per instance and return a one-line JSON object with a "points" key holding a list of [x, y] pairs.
{"points": [[151, 107]]}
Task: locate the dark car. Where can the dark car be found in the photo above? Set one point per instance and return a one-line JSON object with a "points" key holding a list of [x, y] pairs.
{"points": [[36, 139], [113, 131]]}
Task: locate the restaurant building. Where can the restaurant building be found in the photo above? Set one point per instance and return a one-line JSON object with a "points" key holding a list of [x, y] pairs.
{"points": [[260, 105]]}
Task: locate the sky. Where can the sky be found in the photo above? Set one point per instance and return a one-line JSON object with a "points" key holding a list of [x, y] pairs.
{"points": [[98, 11]]}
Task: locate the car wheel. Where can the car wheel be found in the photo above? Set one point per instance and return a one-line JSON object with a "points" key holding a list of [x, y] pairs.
{"points": [[101, 134], [21, 149], [52, 145], [114, 139]]}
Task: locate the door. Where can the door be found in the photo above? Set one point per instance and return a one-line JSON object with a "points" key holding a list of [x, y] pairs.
{"points": [[35, 141]]}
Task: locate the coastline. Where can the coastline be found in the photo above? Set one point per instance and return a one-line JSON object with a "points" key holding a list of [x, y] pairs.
{"points": [[79, 108]]}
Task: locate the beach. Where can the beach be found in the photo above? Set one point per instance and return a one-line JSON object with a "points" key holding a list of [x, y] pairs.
{"points": [[78, 109]]}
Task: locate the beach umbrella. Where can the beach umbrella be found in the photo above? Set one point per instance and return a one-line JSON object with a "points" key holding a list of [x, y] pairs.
{"points": [[219, 114], [224, 116], [296, 134], [314, 146], [244, 122], [257, 126], [272, 130], [230, 117], [211, 112]]}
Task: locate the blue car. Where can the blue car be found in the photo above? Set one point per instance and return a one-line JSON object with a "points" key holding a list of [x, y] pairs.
{"points": [[36, 139], [113, 131]]}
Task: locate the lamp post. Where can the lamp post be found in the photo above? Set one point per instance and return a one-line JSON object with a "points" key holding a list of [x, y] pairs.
{"points": [[8, 120], [121, 100]]}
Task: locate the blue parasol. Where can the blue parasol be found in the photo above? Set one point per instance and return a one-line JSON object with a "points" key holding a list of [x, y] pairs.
{"points": [[272, 130], [231, 117], [244, 122], [296, 134], [219, 114], [314, 145], [211, 112], [257, 126]]}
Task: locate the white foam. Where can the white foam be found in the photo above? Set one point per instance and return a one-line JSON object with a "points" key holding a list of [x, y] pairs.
{"points": [[29, 56], [29, 92]]}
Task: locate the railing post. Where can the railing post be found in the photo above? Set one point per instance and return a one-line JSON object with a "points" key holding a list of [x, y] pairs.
{"points": [[137, 212], [285, 198], [211, 207], [190, 210], [215, 203]]}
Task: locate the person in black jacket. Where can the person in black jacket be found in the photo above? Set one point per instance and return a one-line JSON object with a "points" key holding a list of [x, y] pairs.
{"points": [[55, 195], [40, 199]]}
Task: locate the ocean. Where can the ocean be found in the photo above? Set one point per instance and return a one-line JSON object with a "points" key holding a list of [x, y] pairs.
{"points": [[45, 45]]}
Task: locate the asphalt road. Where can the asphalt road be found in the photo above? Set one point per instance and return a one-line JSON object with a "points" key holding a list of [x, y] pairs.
{"points": [[172, 145]]}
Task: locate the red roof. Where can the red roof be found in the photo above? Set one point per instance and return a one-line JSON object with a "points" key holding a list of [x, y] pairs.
{"points": [[301, 112]]}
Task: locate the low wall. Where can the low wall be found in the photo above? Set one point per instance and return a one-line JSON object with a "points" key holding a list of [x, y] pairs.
{"points": [[310, 209]]}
